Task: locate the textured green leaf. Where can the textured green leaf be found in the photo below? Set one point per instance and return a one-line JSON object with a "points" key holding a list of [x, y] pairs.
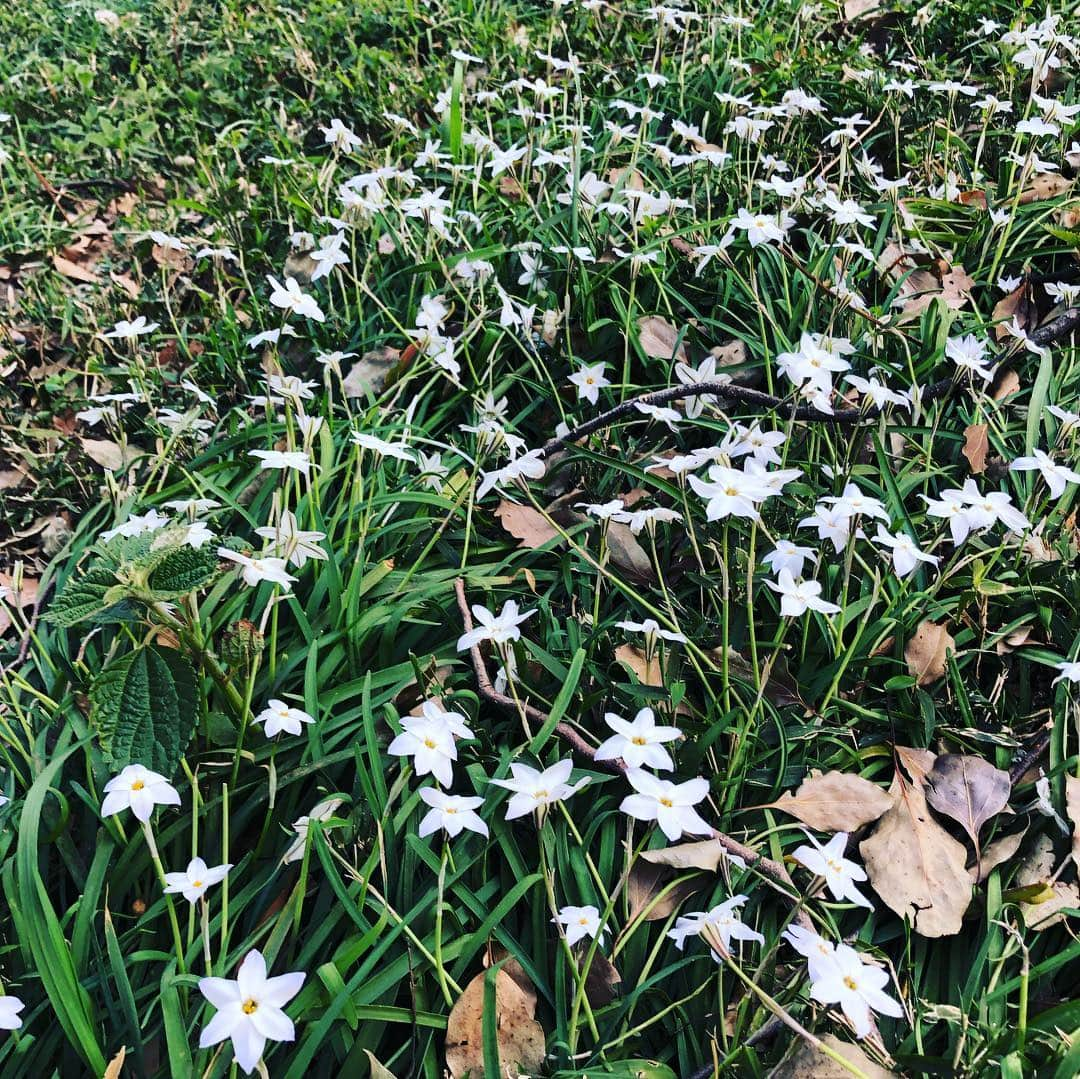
{"points": [[182, 570], [82, 597], [144, 707]]}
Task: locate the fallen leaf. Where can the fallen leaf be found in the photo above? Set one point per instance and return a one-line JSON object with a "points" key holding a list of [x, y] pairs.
{"points": [[123, 281], [647, 882], [916, 867], [377, 1070], [917, 762], [994, 854], [976, 447], [602, 981], [926, 653], [781, 686], [1072, 811], [115, 1066], [809, 1062], [74, 270], [706, 854], [1044, 185], [854, 9], [25, 597], [626, 552], [105, 452], [834, 802], [956, 286], [1052, 897], [648, 673], [1014, 305], [520, 1038], [526, 524], [1008, 384], [659, 339], [968, 790], [368, 374]]}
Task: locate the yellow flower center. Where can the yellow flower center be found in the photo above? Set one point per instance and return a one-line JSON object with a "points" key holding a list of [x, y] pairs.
{"points": [[540, 794], [250, 1006], [196, 884], [850, 982], [666, 802], [138, 785], [638, 740], [429, 743]]}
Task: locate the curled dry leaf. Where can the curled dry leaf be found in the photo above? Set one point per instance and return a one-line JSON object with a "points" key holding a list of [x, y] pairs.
{"points": [[976, 447], [520, 1037], [917, 762], [835, 802], [116, 1066], [369, 373], [927, 652], [74, 270], [1008, 383], [626, 552], [659, 339], [967, 790], [108, 454], [916, 867], [809, 1062], [1044, 185]]}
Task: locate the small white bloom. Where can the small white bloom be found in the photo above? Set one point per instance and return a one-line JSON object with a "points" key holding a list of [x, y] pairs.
{"points": [[138, 789], [579, 923], [671, 805], [279, 716], [196, 879]]}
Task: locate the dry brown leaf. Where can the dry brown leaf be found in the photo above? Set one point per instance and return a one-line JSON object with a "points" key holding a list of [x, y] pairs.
{"points": [[1072, 811], [368, 374], [520, 1037], [956, 286], [968, 790], [1008, 384], [1018, 305], [994, 854], [926, 653], [1038, 868], [646, 882], [626, 552], [916, 867], [834, 802], [648, 673], [854, 9], [659, 339], [377, 1070], [781, 686], [525, 524], [706, 854], [1044, 185], [10, 478], [123, 281], [976, 446], [105, 452], [602, 981], [25, 597], [510, 187], [115, 1066], [809, 1062], [74, 270], [917, 762]]}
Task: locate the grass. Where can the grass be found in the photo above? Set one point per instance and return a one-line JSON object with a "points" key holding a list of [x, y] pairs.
{"points": [[163, 123]]}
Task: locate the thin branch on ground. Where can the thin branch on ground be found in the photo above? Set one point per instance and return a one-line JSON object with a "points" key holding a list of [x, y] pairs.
{"points": [[754, 860], [1045, 335]]}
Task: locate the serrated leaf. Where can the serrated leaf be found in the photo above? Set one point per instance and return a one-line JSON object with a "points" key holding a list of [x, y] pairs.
{"points": [[82, 597], [182, 570], [144, 707]]}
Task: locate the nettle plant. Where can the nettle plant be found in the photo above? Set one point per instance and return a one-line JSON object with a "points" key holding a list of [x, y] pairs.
{"points": [[145, 702]]}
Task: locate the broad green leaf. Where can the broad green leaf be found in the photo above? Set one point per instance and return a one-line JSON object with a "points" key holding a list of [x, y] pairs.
{"points": [[144, 706], [182, 570], [83, 597]]}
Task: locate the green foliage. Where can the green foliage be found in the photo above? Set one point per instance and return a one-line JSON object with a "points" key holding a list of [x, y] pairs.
{"points": [[145, 706]]}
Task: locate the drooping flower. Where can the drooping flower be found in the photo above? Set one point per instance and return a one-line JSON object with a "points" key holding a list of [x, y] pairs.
{"points": [[256, 570], [717, 927]]}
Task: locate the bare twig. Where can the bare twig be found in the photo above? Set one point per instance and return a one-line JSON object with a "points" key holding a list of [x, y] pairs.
{"points": [[1046, 334], [775, 871]]}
